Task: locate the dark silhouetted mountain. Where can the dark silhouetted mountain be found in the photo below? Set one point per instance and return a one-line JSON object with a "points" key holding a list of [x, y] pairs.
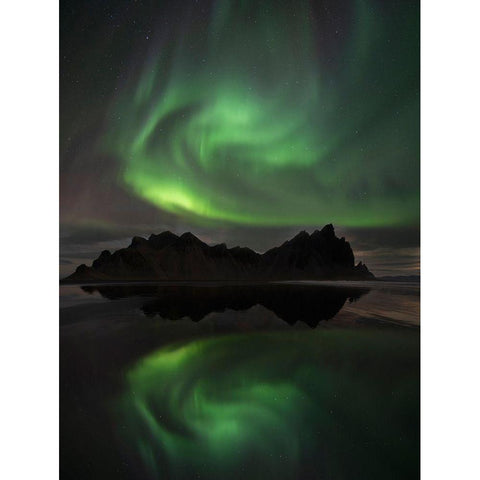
{"points": [[289, 302], [168, 257]]}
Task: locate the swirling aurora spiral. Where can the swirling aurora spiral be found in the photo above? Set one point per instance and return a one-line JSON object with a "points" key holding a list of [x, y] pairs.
{"points": [[242, 121], [247, 406]]}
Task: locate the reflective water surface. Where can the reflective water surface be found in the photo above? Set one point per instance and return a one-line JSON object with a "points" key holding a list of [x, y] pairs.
{"points": [[308, 380]]}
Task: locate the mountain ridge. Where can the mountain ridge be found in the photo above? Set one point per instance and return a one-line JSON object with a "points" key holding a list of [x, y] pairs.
{"points": [[170, 257]]}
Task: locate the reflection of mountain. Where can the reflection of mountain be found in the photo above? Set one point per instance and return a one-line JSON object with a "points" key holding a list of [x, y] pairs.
{"points": [[291, 303], [321, 255]]}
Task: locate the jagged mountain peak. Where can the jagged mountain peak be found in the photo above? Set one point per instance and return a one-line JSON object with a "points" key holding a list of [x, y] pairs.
{"points": [[162, 240], [166, 256], [189, 238]]}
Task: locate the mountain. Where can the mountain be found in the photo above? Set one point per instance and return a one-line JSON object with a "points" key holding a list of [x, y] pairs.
{"points": [[290, 302], [168, 257]]}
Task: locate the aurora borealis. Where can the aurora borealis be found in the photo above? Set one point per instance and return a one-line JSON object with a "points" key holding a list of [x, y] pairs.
{"points": [[298, 405], [241, 121]]}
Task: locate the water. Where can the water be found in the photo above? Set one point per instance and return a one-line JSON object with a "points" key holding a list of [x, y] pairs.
{"points": [[307, 380]]}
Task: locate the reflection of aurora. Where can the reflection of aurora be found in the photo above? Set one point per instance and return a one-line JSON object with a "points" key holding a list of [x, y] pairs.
{"points": [[249, 121], [307, 405]]}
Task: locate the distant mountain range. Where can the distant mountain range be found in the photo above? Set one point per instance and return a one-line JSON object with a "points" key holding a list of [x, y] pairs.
{"points": [[168, 257], [401, 278]]}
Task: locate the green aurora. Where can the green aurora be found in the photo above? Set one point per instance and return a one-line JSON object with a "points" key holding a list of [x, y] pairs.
{"points": [[311, 404], [254, 118]]}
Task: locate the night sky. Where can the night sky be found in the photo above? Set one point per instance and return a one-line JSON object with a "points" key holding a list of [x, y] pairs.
{"points": [[241, 121]]}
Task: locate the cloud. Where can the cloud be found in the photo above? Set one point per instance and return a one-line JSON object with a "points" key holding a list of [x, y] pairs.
{"points": [[386, 251], [65, 261]]}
